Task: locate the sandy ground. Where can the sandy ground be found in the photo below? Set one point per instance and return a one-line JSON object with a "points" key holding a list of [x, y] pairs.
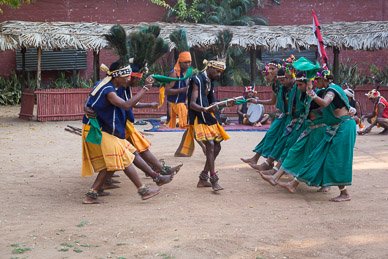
{"points": [[42, 215]]}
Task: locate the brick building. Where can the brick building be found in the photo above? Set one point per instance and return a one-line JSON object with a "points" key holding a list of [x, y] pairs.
{"points": [[289, 12]]}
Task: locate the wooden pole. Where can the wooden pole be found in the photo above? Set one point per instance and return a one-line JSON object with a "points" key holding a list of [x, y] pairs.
{"points": [[74, 78], [336, 65], [38, 73], [96, 66], [23, 51], [253, 65]]}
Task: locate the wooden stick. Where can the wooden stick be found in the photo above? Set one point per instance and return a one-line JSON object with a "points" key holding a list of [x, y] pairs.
{"points": [[224, 102]]}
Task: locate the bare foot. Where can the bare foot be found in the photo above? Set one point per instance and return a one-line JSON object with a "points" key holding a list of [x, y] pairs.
{"points": [[151, 193], [216, 187], [287, 186], [341, 197], [261, 167], [89, 200], [268, 178], [268, 172], [324, 189], [174, 169], [164, 179], [202, 184], [249, 160], [103, 193]]}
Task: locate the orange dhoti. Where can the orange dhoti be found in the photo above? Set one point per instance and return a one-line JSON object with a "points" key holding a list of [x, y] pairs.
{"points": [[202, 132], [136, 138], [179, 109], [114, 154]]}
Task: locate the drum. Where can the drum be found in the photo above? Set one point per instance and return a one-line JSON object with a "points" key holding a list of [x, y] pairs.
{"points": [[255, 112]]}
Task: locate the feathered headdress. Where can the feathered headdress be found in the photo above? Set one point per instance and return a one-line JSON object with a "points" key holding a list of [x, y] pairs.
{"points": [[145, 47], [117, 39], [224, 38]]}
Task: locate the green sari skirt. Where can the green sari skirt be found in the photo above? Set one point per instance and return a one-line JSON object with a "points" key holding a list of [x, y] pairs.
{"points": [[303, 147], [330, 164], [274, 132]]}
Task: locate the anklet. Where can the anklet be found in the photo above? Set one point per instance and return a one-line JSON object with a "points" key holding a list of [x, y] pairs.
{"points": [[343, 189], [143, 190], [203, 176], [275, 168], [214, 178], [157, 178], [266, 162], [92, 194]]}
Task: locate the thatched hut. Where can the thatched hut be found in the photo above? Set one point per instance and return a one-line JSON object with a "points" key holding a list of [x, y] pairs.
{"points": [[372, 35]]}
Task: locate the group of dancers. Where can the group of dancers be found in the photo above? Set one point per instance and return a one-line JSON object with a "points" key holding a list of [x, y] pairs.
{"points": [[312, 137]]}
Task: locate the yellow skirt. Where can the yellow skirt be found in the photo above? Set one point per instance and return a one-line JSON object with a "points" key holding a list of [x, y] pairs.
{"points": [[180, 110], [136, 138], [113, 154], [214, 132]]}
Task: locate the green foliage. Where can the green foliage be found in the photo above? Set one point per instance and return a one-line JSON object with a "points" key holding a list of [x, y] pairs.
{"points": [[13, 3], [10, 90], [350, 74], [379, 75], [66, 82], [229, 12]]}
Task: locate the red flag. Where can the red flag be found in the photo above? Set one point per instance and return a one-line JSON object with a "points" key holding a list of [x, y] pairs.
{"points": [[320, 44]]}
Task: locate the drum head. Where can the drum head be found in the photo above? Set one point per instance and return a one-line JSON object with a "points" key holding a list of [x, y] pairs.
{"points": [[255, 111]]}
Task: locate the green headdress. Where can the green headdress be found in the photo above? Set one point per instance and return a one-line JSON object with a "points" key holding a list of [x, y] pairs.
{"points": [[304, 64]]}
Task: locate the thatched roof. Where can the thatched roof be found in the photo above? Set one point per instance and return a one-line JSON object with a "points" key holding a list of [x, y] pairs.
{"points": [[370, 35]]}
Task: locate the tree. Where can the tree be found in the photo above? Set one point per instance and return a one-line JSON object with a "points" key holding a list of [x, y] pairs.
{"points": [[226, 12], [12, 3]]}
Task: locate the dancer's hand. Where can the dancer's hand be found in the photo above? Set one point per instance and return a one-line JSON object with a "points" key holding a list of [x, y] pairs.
{"points": [[90, 112], [231, 103], [211, 109], [154, 105], [253, 100], [149, 80]]}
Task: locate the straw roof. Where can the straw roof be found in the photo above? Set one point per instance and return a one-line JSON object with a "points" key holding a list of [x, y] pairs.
{"points": [[370, 35]]}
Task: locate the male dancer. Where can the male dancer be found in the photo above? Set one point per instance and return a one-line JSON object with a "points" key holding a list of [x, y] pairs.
{"points": [[205, 124]]}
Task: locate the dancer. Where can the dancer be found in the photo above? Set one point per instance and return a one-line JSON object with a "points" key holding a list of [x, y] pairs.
{"points": [[330, 163], [277, 126], [379, 116], [112, 152], [205, 125], [138, 67], [286, 96], [176, 90], [310, 137]]}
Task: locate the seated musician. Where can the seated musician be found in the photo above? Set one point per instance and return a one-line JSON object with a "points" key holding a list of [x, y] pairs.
{"points": [[242, 110]]}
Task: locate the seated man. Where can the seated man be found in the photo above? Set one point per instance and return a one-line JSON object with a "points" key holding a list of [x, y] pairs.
{"points": [[256, 110], [379, 116]]}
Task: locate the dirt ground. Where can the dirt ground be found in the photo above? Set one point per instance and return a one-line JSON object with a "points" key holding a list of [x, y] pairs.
{"points": [[42, 215]]}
